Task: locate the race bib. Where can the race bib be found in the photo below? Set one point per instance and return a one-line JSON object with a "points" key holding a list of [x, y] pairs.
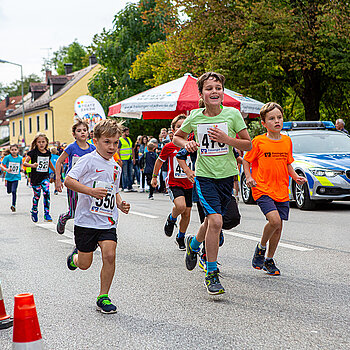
{"points": [[74, 160], [178, 171], [104, 206], [13, 168], [43, 164], [208, 147]]}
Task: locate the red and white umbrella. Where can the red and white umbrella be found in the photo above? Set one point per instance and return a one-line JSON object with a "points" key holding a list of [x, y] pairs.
{"points": [[181, 95]]}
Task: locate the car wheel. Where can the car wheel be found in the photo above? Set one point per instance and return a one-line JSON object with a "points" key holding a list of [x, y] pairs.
{"points": [[302, 196], [246, 192]]}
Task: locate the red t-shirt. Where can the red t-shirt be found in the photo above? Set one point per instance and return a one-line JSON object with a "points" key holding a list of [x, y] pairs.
{"points": [[176, 176], [269, 160]]}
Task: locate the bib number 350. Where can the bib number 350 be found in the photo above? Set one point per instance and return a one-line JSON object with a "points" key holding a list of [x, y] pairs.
{"points": [[104, 206]]}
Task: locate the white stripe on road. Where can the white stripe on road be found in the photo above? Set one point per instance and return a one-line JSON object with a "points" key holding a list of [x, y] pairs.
{"points": [[52, 227], [142, 214], [253, 238]]}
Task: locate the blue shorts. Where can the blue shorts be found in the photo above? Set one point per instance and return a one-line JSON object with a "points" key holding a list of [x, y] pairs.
{"points": [[214, 194], [267, 204]]}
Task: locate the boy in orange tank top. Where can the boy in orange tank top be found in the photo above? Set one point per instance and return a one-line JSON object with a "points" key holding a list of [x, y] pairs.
{"points": [[270, 161]]}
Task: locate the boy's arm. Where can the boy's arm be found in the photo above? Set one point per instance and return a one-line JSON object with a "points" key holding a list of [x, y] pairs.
{"points": [[248, 176], [179, 140], [76, 186], [60, 160], [122, 205], [157, 165], [298, 179], [244, 142], [189, 172]]}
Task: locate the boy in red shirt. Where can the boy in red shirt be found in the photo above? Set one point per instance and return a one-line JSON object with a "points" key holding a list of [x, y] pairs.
{"points": [[270, 160], [179, 187]]}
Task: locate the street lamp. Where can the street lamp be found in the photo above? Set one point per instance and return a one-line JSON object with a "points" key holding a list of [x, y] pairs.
{"points": [[16, 64]]}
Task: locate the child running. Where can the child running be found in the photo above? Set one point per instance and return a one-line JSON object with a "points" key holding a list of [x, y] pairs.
{"points": [[38, 159], [215, 129], [12, 165], [73, 152], [96, 177], [179, 187], [270, 159]]}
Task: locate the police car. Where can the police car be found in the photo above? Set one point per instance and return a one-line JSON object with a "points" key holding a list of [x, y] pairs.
{"points": [[322, 155]]}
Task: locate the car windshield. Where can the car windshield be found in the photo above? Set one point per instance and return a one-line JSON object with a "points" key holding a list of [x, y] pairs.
{"points": [[321, 143]]}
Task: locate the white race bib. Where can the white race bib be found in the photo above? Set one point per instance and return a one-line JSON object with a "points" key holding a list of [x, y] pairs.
{"points": [[13, 168], [74, 160], [106, 205], [43, 164], [178, 171], [208, 147]]}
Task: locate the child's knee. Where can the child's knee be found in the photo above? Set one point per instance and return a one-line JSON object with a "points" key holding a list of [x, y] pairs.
{"points": [[276, 222], [109, 257], [215, 222]]}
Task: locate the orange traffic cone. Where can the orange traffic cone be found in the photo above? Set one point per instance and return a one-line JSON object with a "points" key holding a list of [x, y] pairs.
{"points": [[6, 320], [26, 329]]}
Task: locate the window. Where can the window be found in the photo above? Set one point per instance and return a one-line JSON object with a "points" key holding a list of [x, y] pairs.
{"points": [[46, 121], [30, 125], [20, 127], [38, 123], [13, 129]]}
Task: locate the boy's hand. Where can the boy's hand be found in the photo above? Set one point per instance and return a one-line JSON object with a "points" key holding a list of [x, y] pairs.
{"points": [[190, 175], [216, 134], [250, 182], [300, 180], [124, 207], [98, 192], [154, 182], [192, 146]]}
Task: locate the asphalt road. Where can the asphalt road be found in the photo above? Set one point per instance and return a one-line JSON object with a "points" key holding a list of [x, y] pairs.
{"points": [[160, 304]]}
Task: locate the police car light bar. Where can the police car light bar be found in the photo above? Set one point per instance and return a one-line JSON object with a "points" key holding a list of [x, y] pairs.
{"points": [[299, 125]]}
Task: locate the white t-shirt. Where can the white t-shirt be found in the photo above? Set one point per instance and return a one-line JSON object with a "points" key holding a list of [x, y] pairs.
{"points": [[92, 170]]}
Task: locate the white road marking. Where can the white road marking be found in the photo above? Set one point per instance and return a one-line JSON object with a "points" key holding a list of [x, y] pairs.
{"points": [[142, 214], [52, 227], [253, 238]]}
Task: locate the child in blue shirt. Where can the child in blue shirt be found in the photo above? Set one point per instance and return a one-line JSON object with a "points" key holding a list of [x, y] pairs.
{"points": [[12, 164]]}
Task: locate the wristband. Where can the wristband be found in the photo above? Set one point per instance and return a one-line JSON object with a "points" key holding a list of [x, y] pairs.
{"points": [[154, 176]]}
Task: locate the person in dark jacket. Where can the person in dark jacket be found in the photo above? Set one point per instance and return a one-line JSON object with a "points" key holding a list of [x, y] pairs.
{"points": [[147, 162]]}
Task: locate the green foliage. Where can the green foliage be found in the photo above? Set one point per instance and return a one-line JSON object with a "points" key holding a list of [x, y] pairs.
{"points": [[15, 88], [73, 53], [255, 128], [5, 139]]}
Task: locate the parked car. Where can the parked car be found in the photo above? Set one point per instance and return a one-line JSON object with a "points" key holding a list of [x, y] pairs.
{"points": [[321, 154]]}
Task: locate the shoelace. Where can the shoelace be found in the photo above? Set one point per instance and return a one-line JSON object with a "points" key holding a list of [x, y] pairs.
{"points": [[106, 301]]}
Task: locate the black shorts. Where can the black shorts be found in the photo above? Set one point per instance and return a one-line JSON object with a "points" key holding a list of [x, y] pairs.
{"points": [[214, 194], [177, 191], [86, 239]]}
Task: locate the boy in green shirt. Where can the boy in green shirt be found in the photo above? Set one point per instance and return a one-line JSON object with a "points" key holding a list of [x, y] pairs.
{"points": [[215, 128]]}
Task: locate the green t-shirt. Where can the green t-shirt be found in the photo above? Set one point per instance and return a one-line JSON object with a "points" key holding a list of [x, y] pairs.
{"points": [[214, 160]]}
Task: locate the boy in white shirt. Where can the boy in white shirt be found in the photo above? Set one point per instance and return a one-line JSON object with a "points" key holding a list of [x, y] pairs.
{"points": [[96, 176]]}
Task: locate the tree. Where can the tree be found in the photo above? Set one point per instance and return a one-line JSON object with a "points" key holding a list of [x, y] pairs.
{"points": [[286, 50], [15, 88], [73, 53]]}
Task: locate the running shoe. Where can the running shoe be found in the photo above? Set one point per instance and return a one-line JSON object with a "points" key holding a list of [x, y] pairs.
{"points": [[191, 255], [60, 225], [70, 261], [221, 239], [169, 226], [181, 242], [13, 208], [270, 267], [212, 282], [34, 216], [105, 305], [47, 217], [258, 258], [151, 198], [202, 263]]}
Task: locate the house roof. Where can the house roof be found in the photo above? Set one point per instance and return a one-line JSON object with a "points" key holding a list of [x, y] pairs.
{"points": [[44, 100], [12, 105], [38, 87]]}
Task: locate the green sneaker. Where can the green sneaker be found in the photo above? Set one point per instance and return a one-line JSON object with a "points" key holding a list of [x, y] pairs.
{"points": [[70, 261], [191, 255], [105, 305], [213, 284]]}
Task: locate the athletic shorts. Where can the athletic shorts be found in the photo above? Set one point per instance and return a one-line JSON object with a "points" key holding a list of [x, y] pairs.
{"points": [[267, 204], [177, 191], [86, 239], [214, 194]]}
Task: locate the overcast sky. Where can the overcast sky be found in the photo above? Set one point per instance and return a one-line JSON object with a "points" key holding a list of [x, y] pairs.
{"points": [[31, 30]]}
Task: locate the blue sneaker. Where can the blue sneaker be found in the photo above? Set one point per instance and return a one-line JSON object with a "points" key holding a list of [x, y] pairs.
{"points": [[258, 258], [105, 305], [191, 255], [221, 239], [212, 282], [34, 216], [47, 217], [202, 263], [70, 261], [270, 267]]}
